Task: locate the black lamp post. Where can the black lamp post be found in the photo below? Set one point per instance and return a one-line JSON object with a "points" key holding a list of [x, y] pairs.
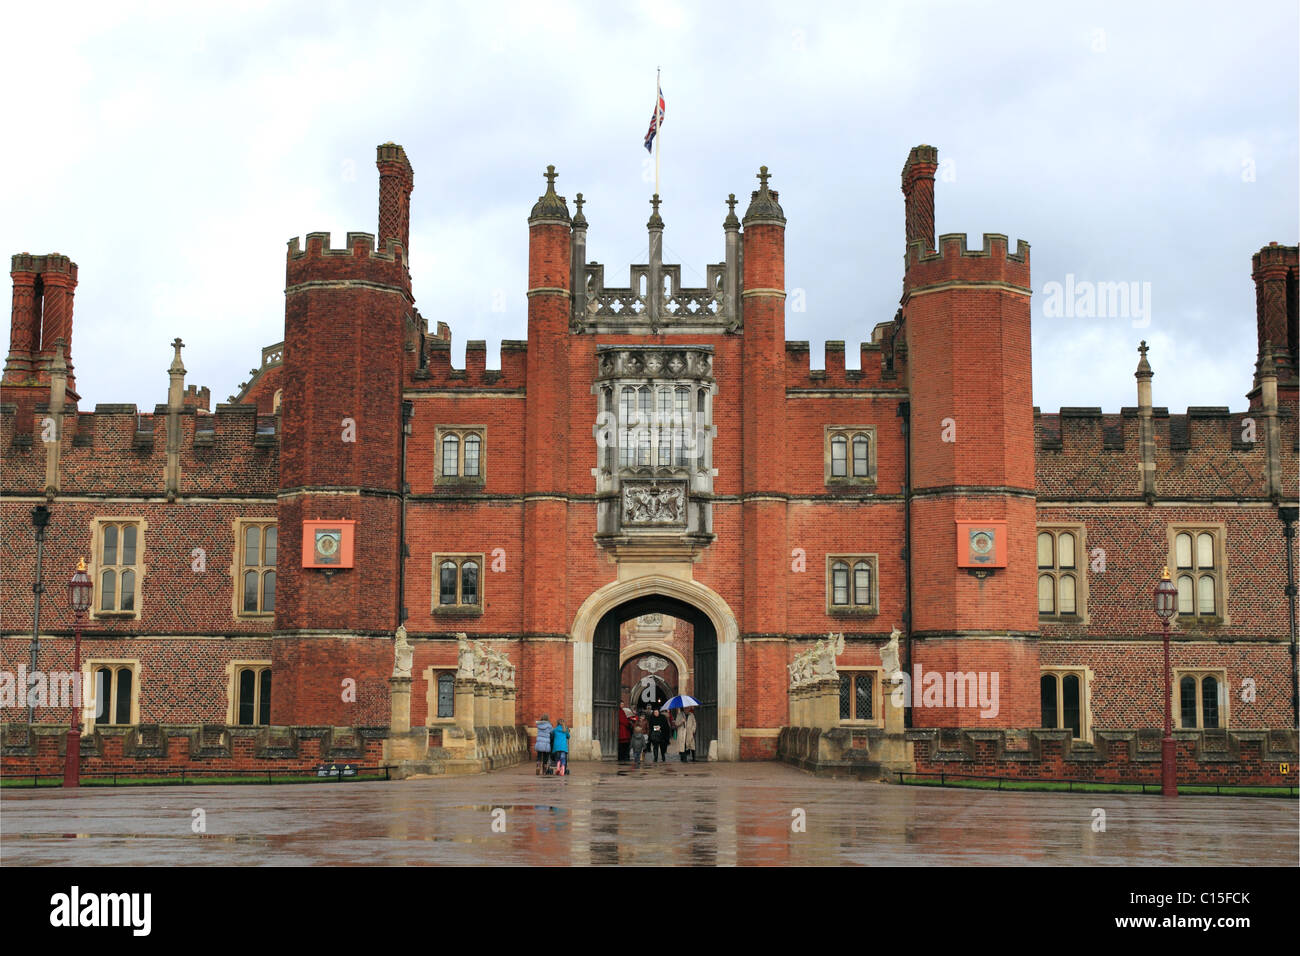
{"points": [[1166, 606], [1289, 515], [40, 518], [79, 589]]}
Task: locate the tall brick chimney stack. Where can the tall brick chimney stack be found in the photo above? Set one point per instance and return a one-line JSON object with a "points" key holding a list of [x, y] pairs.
{"points": [[40, 321], [1275, 269], [918, 194], [396, 180]]}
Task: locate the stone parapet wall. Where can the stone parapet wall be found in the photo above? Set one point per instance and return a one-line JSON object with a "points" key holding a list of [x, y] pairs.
{"points": [[40, 748]]}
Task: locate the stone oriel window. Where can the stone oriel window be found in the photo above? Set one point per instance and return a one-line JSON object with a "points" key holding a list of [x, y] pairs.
{"points": [[655, 425], [851, 584], [1062, 582], [117, 566], [460, 454], [458, 584], [1063, 694], [1197, 569], [859, 695], [654, 460], [1202, 699], [850, 454], [116, 689], [249, 692], [257, 550]]}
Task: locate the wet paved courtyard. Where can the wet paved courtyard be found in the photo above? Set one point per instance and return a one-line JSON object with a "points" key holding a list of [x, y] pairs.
{"points": [[672, 814]]}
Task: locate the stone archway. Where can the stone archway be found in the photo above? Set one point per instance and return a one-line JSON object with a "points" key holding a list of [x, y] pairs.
{"points": [[617, 593], [637, 648]]}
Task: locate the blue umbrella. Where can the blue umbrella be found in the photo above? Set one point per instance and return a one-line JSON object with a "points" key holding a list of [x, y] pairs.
{"points": [[680, 701]]}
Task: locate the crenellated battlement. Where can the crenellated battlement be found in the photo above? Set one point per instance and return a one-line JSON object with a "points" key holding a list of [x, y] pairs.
{"points": [[1086, 429], [357, 261], [1206, 452], [1200, 430], [438, 371], [954, 260], [879, 366], [232, 449]]}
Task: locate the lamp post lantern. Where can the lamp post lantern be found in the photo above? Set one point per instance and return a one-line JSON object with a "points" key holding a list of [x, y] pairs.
{"points": [[79, 589], [1166, 606]]}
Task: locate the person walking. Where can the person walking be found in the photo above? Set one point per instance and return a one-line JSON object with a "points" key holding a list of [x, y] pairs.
{"points": [[640, 729], [542, 745], [624, 732], [560, 748], [658, 735], [686, 727]]}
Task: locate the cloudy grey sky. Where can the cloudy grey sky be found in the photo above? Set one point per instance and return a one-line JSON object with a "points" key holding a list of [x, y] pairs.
{"points": [[172, 151]]}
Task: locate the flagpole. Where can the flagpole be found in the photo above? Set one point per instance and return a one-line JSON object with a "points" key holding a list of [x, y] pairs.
{"points": [[659, 133]]}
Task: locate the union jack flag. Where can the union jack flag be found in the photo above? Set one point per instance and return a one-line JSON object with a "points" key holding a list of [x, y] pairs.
{"points": [[656, 120]]}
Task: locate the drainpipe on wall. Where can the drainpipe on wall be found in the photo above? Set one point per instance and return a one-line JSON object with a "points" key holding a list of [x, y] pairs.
{"points": [[1288, 516], [905, 413], [408, 412]]}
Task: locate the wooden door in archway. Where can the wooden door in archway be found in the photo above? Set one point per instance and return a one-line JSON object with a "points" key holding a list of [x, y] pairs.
{"points": [[605, 685]]}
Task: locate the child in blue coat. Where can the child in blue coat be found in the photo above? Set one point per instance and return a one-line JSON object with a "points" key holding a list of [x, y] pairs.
{"points": [[560, 748]]}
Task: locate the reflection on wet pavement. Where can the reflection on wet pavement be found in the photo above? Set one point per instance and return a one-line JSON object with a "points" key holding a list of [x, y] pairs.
{"points": [[704, 814]]}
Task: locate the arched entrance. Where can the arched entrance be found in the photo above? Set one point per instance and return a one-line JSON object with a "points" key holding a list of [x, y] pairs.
{"points": [[649, 691], [606, 691], [596, 659]]}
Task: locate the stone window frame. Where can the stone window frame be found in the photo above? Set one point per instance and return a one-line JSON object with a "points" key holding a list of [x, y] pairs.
{"points": [[237, 567], [1079, 571], [95, 568], [262, 666], [461, 432], [873, 604], [1218, 530], [1220, 674], [432, 675], [620, 428], [877, 703], [116, 664], [458, 609], [849, 433], [1085, 676]]}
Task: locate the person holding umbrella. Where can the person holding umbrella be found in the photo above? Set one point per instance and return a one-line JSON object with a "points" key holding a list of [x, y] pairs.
{"points": [[686, 725]]}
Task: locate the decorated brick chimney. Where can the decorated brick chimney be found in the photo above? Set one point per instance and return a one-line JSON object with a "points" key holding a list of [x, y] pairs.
{"points": [[1275, 269], [339, 516], [918, 194], [396, 180], [40, 320], [966, 318]]}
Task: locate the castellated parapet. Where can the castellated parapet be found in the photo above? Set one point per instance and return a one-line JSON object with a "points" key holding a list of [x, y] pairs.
{"points": [[357, 261], [954, 261]]}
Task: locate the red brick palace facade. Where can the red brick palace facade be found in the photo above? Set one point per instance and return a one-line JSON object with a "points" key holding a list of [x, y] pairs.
{"points": [[651, 452]]}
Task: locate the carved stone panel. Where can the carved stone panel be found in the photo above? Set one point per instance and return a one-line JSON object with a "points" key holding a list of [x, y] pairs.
{"points": [[654, 504]]}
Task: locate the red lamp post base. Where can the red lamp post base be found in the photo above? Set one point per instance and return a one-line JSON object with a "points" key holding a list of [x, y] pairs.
{"points": [[1168, 767], [72, 761]]}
